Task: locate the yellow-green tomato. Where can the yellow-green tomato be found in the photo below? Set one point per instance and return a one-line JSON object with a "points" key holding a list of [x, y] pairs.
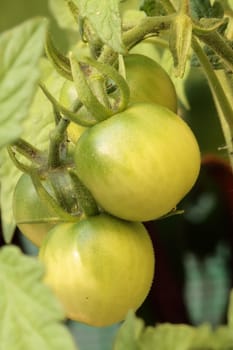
{"points": [[149, 82], [32, 216], [99, 268], [139, 163]]}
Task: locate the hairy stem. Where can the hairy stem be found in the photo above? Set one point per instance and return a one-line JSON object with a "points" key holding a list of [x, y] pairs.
{"points": [[222, 102]]}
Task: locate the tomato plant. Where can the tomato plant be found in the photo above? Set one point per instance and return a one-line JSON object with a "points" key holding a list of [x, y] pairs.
{"points": [[129, 162], [133, 158], [99, 267]]}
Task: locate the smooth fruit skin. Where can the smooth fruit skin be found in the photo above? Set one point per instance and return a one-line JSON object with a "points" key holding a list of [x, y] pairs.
{"points": [[149, 82], [30, 214], [99, 268], [140, 163]]}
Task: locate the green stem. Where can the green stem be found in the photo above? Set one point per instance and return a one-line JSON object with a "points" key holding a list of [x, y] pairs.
{"points": [[56, 142], [184, 7], [148, 25], [223, 105], [219, 45]]}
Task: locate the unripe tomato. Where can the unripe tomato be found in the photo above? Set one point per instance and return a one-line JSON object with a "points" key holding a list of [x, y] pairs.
{"points": [[139, 163], [99, 268], [149, 82], [31, 215]]}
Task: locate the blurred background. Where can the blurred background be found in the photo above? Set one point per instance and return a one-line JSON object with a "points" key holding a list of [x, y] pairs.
{"points": [[194, 251]]}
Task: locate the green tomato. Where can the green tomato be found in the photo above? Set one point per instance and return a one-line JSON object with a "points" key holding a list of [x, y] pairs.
{"points": [[139, 163], [99, 268], [149, 82], [31, 215]]}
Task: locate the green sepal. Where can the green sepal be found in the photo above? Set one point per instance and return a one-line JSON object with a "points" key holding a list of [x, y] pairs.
{"points": [[85, 94], [180, 42], [66, 113], [60, 62], [110, 72], [73, 9]]}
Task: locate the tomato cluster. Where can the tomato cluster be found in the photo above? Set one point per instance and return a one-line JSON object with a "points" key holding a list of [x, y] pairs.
{"points": [[137, 164]]}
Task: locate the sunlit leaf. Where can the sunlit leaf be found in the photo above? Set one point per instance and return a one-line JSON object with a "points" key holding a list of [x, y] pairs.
{"points": [[105, 18], [21, 49], [35, 129], [30, 316]]}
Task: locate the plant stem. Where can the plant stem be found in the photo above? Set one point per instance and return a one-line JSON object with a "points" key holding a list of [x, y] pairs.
{"points": [[146, 26], [56, 141], [223, 105], [219, 45]]}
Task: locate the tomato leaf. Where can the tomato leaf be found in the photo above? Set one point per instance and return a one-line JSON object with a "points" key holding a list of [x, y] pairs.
{"points": [[105, 18], [62, 14], [30, 316], [204, 8], [36, 129], [153, 8], [20, 50], [129, 334]]}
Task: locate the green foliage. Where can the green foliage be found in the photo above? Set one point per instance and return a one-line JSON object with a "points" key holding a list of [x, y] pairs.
{"points": [[133, 335], [105, 18], [36, 128], [30, 315], [153, 8], [62, 14], [203, 8], [20, 50]]}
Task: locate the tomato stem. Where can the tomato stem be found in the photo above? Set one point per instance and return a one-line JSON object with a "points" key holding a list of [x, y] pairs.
{"points": [[216, 41], [57, 143], [221, 97]]}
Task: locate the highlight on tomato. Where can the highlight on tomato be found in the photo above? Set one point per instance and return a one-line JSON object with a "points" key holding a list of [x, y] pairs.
{"points": [[99, 268]]}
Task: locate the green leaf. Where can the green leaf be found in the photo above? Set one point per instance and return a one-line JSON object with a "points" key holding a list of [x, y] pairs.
{"points": [[204, 8], [167, 336], [153, 8], [36, 130], [30, 316], [20, 50], [7, 171], [129, 334], [62, 14], [105, 18]]}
